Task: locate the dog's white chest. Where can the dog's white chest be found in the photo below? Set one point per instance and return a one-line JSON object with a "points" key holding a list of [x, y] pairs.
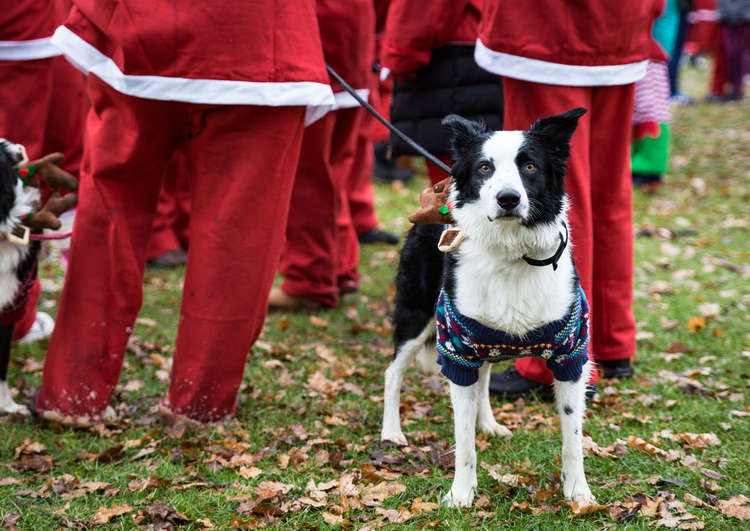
{"points": [[510, 295]]}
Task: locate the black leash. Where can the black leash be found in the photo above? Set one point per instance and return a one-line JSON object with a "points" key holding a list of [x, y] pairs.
{"points": [[426, 154]]}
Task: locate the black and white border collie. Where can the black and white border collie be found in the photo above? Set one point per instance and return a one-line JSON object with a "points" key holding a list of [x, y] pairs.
{"points": [[16, 201], [509, 201]]}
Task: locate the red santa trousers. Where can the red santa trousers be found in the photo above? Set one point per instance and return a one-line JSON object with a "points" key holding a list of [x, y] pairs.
{"points": [[599, 185], [361, 191], [23, 325], [43, 108], [321, 254], [172, 211], [242, 160]]}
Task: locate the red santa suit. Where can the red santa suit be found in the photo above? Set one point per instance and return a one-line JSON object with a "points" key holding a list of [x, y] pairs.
{"points": [[42, 95], [361, 191], [172, 219], [555, 56], [321, 255], [226, 83], [704, 36], [43, 99], [384, 83]]}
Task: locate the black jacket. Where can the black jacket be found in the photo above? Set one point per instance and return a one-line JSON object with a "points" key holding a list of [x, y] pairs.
{"points": [[451, 83]]}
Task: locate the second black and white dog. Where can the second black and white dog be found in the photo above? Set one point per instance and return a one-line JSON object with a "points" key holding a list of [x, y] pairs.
{"points": [[17, 262], [509, 289]]}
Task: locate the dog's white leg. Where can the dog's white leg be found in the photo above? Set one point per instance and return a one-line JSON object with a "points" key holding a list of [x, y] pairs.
{"points": [[571, 404], [394, 377], [7, 404], [486, 420], [464, 400]]}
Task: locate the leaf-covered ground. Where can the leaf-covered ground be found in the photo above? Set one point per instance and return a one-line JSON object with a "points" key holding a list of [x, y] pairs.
{"points": [[667, 448]]}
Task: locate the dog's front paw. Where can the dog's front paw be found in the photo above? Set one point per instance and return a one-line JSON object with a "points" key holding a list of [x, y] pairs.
{"points": [[583, 498], [494, 428], [13, 408], [459, 499], [395, 436], [578, 492]]}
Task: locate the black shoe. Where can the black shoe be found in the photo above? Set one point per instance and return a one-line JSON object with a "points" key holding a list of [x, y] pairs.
{"points": [[617, 368], [386, 168], [170, 259], [641, 179], [510, 385], [734, 96], [377, 235]]}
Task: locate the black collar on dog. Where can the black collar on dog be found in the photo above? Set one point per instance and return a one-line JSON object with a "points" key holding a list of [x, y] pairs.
{"points": [[555, 257]]}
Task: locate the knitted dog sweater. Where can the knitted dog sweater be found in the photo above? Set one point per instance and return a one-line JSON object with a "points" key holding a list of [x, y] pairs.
{"points": [[465, 344]]}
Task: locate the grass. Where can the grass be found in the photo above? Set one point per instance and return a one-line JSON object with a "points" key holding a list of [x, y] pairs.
{"points": [[691, 250]]}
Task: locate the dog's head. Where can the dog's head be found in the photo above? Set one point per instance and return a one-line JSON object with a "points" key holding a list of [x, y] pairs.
{"points": [[511, 178], [10, 155]]}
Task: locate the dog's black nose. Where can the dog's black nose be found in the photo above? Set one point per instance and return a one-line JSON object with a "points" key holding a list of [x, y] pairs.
{"points": [[508, 199]]}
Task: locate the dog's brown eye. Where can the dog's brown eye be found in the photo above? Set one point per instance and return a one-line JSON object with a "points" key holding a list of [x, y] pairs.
{"points": [[529, 167], [484, 168]]}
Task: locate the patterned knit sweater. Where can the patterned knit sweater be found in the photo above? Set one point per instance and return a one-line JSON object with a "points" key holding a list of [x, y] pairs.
{"points": [[465, 344]]}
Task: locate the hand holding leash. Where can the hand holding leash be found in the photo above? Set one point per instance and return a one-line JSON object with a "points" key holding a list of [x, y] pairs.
{"points": [[434, 205]]}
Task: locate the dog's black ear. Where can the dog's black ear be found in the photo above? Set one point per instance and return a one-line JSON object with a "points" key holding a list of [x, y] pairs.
{"points": [[463, 133], [556, 131], [8, 181], [463, 136]]}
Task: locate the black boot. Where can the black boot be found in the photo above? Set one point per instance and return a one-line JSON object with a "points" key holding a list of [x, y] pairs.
{"points": [[377, 235], [510, 385], [617, 368], [174, 258]]}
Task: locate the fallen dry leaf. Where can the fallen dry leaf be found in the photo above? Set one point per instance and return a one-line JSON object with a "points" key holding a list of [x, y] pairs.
{"points": [[376, 494], [162, 516], [709, 310], [696, 324], [699, 440], [249, 472], [494, 472], [10, 520], [418, 506], [736, 507], [333, 519], [713, 474], [268, 489], [37, 462], [585, 508], [110, 454], [104, 514], [28, 447], [317, 321], [371, 473], [394, 516], [637, 443]]}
